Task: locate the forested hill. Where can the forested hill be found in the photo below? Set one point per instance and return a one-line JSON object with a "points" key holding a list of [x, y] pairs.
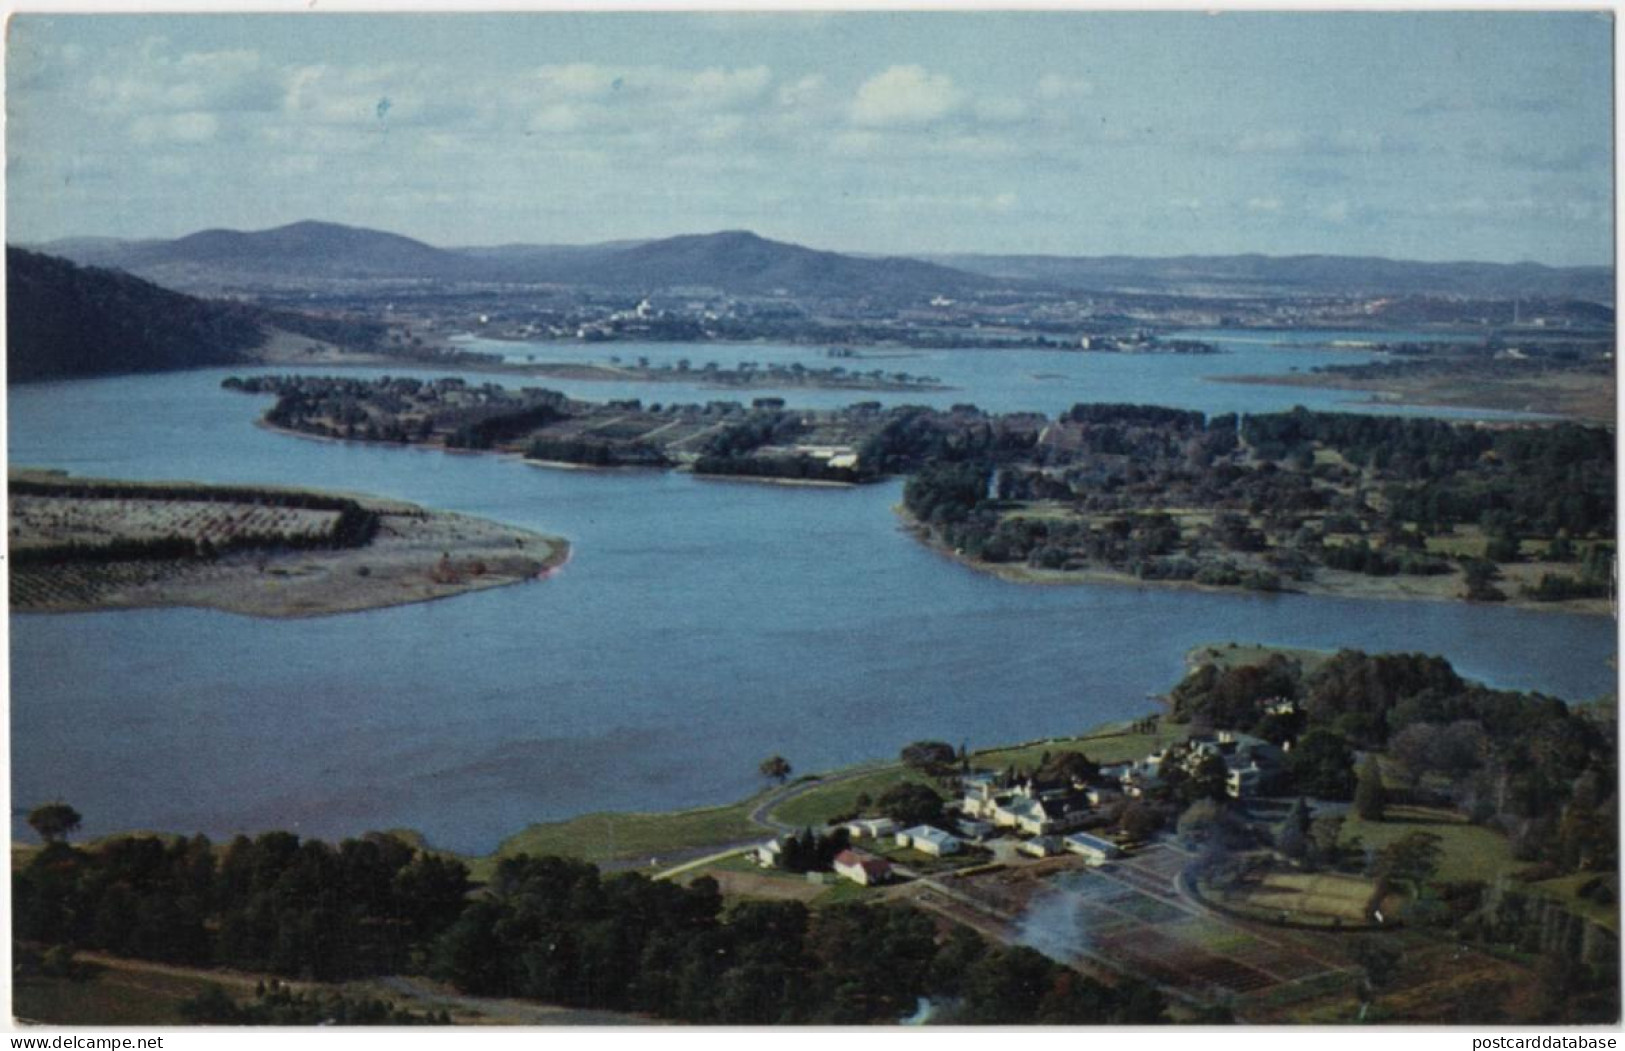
{"points": [[66, 321]]}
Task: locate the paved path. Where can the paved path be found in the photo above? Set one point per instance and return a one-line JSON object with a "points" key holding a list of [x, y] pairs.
{"points": [[759, 814]]}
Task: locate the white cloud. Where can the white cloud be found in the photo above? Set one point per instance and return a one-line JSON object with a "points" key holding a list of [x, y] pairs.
{"points": [[905, 95], [1053, 87], [710, 88], [175, 128], [803, 92], [1000, 110], [218, 81]]}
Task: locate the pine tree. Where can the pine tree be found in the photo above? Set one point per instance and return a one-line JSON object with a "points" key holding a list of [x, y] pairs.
{"points": [[1370, 797]]}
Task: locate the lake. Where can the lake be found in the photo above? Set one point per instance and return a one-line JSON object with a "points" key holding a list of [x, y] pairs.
{"points": [[699, 626]]}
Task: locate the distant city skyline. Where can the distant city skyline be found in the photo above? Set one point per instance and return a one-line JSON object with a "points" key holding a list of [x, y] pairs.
{"points": [[1432, 136]]}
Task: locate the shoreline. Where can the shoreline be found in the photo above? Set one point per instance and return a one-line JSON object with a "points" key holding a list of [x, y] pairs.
{"points": [[1030, 577], [585, 372], [1540, 404], [416, 555]]}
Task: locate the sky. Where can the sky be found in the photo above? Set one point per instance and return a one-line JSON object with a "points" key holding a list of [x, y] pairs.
{"points": [[1439, 135]]}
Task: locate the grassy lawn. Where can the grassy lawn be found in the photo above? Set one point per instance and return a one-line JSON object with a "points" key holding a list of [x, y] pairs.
{"points": [[820, 804], [1567, 890], [1111, 744], [1470, 851], [111, 997], [1229, 655], [602, 837], [1463, 540], [843, 892]]}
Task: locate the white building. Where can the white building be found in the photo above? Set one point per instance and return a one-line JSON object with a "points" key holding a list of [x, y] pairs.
{"points": [[1094, 850], [928, 840], [871, 827], [861, 868]]}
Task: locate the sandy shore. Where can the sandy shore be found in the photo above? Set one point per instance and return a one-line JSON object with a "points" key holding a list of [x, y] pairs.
{"points": [[416, 556]]}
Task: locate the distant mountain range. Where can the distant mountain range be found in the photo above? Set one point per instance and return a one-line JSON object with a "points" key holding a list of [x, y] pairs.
{"points": [[739, 262], [733, 261], [1298, 275]]}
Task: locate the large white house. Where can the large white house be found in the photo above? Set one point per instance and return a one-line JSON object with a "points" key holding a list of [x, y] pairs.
{"points": [[1026, 807], [862, 868], [928, 840]]}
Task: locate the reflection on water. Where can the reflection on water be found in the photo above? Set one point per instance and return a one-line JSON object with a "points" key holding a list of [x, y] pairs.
{"points": [[699, 627]]}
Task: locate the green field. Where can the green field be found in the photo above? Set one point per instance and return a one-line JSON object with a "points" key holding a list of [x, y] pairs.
{"points": [[1471, 852], [1567, 890], [1109, 744], [1227, 655], [827, 801], [604, 837]]}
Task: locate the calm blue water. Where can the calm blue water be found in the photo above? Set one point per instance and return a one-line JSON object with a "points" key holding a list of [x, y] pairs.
{"points": [[1006, 380], [699, 627]]}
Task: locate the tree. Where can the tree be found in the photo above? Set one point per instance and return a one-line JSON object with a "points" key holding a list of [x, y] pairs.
{"points": [[1141, 820], [928, 755], [910, 804], [1370, 797], [54, 821], [1411, 859], [1322, 765], [1324, 836], [1068, 766], [1209, 780], [1292, 838], [775, 767]]}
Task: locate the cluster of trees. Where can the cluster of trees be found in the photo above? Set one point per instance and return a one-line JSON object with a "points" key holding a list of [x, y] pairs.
{"points": [[67, 321], [1538, 481], [1530, 765], [595, 452], [558, 931], [545, 928], [809, 851], [354, 525], [502, 426], [763, 426], [800, 468], [1279, 509], [913, 437], [296, 908]]}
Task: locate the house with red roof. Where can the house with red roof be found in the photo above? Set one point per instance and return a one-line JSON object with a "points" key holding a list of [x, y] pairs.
{"points": [[862, 868]]}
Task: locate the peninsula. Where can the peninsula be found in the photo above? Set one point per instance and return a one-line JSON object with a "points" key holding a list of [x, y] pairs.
{"points": [[1329, 503], [89, 544]]}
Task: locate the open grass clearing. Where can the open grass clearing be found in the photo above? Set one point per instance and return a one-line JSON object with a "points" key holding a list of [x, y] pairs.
{"points": [[820, 804], [1112, 744], [1567, 890], [606, 837], [1305, 897], [1228, 655], [1469, 852], [107, 997]]}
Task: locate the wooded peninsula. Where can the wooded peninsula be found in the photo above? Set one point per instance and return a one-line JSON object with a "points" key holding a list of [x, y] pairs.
{"points": [[1383, 507]]}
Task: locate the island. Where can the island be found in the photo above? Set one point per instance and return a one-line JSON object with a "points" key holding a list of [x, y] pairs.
{"points": [[1330, 503], [81, 544]]}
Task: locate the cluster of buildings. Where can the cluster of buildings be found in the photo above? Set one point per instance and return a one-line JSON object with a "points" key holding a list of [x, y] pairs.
{"points": [[1049, 816]]}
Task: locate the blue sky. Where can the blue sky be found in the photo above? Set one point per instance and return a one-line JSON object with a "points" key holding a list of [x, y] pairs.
{"points": [[1424, 135]]}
